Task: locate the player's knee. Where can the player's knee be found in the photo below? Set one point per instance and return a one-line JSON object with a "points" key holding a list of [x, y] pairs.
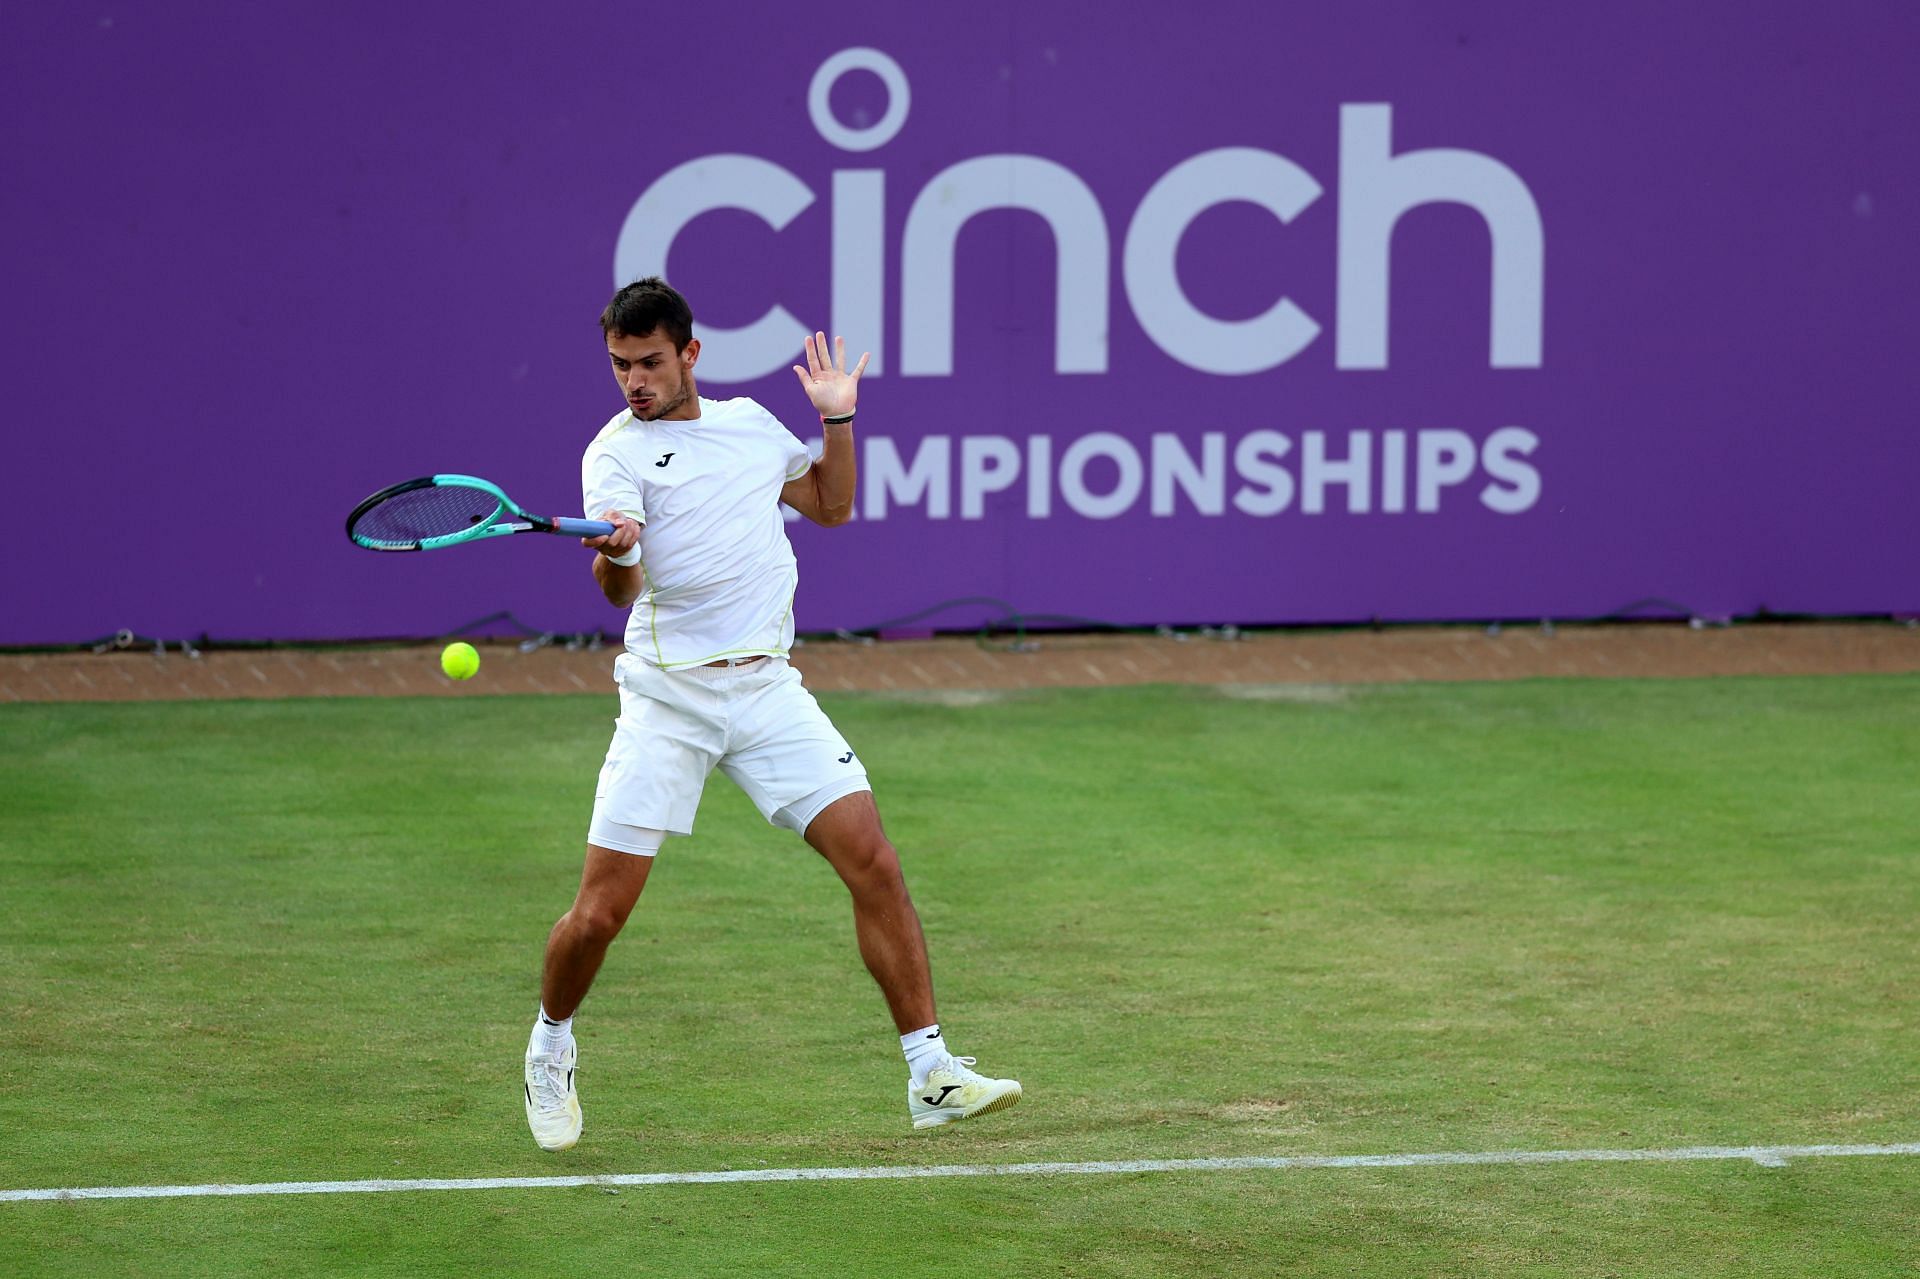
{"points": [[597, 921], [870, 862]]}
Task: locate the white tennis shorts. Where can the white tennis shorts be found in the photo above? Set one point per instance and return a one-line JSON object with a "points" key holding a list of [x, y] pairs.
{"points": [[757, 723]]}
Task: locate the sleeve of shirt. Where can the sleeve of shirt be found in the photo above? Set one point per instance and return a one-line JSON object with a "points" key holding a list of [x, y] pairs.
{"points": [[799, 459], [607, 485]]}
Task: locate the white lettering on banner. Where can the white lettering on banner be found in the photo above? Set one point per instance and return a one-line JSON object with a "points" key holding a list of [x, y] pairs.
{"points": [[928, 479], [680, 195], [1039, 468], [927, 258], [1446, 458], [1073, 475], [1317, 471], [1376, 189], [1393, 472], [1443, 460], [1205, 483], [859, 258], [988, 464], [821, 90], [1269, 485], [1170, 318], [1521, 479]]}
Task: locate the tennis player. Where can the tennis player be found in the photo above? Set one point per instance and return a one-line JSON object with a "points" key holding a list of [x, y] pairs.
{"points": [[699, 553]]}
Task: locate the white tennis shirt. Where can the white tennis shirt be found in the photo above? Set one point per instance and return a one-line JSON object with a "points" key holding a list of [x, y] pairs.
{"points": [[719, 571]]}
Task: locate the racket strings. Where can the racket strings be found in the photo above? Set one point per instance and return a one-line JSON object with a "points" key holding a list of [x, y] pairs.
{"points": [[418, 514]]}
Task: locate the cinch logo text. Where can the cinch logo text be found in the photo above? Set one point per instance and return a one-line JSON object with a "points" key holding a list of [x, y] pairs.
{"points": [[1376, 188]]}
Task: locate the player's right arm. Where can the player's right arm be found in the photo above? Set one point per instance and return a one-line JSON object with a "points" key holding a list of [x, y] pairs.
{"points": [[620, 583], [610, 492]]}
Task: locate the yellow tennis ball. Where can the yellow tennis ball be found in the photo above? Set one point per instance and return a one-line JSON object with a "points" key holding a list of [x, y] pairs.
{"points": [[459, 661]]}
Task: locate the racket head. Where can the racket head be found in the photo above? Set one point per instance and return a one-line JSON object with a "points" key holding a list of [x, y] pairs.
{"points": [[430, 512]]}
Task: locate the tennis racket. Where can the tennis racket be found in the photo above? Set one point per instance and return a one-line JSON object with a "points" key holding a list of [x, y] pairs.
{"points": [[446, 510]]}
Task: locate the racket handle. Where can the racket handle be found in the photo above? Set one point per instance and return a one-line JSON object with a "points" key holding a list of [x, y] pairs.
{"points": [[581, 528]]}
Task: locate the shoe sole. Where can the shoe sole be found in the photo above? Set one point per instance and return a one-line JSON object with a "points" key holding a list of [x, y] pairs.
{"points": [[939, 1117], [564, 1144]]}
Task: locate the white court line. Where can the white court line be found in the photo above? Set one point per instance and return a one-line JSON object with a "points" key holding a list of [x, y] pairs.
{"points": [[1766, 1156]]}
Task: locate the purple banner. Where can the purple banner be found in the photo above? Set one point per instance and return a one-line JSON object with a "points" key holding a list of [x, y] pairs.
{"points": [[1269, 314]]}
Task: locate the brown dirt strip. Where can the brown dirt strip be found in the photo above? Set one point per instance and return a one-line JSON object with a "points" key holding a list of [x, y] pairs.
{"points": [[1666, 650]]}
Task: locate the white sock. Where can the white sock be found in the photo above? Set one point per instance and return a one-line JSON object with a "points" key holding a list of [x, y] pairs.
{"points": [[925, 1048], [549, 1036]]}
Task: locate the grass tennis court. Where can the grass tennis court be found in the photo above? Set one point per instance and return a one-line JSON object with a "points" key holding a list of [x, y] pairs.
{"points": [[280, 941]]}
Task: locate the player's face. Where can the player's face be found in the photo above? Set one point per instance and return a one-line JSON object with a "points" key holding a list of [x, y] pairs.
{"points": [[656, 380]]}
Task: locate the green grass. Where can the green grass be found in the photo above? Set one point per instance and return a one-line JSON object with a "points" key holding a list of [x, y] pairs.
{"points": [[295, 940]]}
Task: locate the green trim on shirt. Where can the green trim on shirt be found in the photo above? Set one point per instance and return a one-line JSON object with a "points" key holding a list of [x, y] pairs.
{"points": [[788, 611], [665, 665], [653, 614], [714, 657], [614, 427]]}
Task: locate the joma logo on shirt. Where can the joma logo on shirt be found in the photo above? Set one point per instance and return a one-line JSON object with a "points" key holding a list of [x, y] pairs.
{"points": [[664, 460]]}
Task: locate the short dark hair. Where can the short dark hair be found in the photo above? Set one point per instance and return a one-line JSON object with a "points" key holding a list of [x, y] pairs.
{"points": [[647, 305]]}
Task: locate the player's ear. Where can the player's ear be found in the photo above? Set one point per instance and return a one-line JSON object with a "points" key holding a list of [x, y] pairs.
{"points": [[691, 353]]}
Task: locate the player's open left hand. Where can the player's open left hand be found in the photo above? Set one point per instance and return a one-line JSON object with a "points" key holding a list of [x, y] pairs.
{"points": [[826, 379]]}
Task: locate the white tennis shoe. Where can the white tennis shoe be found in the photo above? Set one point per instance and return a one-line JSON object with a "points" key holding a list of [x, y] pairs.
{"points": [[553, 1108], [953, 1091]]}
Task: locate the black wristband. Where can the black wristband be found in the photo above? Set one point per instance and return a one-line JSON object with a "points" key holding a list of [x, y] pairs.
{"points": [[836, 421]]}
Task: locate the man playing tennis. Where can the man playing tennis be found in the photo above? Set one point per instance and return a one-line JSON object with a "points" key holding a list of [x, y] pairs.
{"points": [[699, 552]]}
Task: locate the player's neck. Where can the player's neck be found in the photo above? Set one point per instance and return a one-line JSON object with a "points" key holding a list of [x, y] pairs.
{"points": [[688, 410]]}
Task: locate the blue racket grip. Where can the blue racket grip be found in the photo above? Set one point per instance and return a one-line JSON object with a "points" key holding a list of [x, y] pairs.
{"points": [[581, 528]]}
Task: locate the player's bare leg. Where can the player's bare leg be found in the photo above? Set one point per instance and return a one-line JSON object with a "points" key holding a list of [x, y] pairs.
{"points": [[942, 1088], [847, 833], [610, 884]]}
